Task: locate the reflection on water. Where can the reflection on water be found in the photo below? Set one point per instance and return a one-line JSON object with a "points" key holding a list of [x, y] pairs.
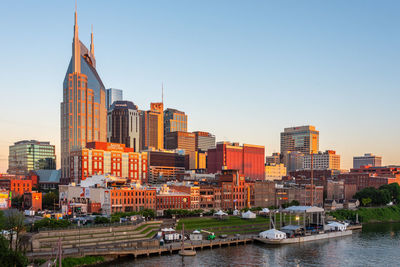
{"points": [[376, 245]]}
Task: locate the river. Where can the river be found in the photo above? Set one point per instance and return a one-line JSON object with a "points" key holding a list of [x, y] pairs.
{"points": [[375, 245]]}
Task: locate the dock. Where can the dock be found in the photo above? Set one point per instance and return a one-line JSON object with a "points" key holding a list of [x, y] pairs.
{"points": [[124, 249]]}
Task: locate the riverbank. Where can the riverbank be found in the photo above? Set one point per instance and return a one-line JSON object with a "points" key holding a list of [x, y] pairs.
{"points": [[370, 215]]}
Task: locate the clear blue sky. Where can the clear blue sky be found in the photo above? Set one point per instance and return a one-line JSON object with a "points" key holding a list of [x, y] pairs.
{"points": [[242, 70]]}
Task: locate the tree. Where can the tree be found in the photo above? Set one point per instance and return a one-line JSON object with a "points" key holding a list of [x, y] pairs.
{"points": [[394, 189], [365, 201], [16, 202], [9, 258], [14, 223], [49, 200]]}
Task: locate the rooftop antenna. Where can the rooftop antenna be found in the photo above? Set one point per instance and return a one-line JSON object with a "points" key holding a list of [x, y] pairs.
{"points": [[162, 92]]}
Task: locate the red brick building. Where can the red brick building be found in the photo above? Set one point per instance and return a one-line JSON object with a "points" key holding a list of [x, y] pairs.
{"points": [[136, 199], [32, 201], [108, 158], [247, 159], [171, 199]]}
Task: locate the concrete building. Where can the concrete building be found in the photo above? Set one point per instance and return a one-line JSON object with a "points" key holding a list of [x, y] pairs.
{"points": [[247, 159], [83, 110], [108, 158], [367, 160], [293, 161], [264, 194], [25, 156], [174, 121], [152, 127], [204, 141], [275, 158], [322, 161], [123, 124], [275, 171], [113, 95], [335, 190], [304, 139]]}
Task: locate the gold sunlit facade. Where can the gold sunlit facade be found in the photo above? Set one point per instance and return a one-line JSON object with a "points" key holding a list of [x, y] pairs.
{"points": [[83, 110]]}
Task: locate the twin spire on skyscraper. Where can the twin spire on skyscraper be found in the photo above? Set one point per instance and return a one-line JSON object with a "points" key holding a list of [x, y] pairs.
{"points": [[76, 46]]}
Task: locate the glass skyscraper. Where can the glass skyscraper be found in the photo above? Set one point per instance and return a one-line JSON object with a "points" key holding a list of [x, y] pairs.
{"points": [[113, 95], [83, 110], [25, 156]]}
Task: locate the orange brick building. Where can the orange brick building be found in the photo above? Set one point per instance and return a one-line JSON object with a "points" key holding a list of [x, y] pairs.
{"points": [[108, 158], [127, 199], [33, 201]]}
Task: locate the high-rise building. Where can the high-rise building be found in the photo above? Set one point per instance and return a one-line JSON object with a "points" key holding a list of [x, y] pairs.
{"points": [[180, 140], [247, 159], [25, 156], [204, 141], [174, 120], [322, 161], [152, 127], [367, 160], [304, 139], [293, 160], [113, 95], [83, 110], [123, 124]]}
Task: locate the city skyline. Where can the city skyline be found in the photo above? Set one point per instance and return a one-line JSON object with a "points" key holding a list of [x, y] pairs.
{"points": [[350, 127]]}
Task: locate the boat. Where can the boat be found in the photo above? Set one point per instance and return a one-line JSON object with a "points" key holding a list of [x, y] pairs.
{"points": [[301, 239], [313, 228]]}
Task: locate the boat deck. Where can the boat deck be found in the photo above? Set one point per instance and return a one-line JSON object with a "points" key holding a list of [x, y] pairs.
{"points": [[302, 239]]}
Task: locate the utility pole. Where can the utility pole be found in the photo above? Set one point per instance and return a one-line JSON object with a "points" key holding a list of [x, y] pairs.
{"points": [[312, 179]]}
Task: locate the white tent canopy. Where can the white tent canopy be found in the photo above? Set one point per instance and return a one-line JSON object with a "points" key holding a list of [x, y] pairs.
{"points": [[248, 215], [196, 232], [220, 213], [236, 212], [167, 230], [336, 226], [265, 210], [272, 234], [302, 209]]}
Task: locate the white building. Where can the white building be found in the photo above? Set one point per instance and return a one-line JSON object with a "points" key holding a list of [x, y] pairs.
{"points": [[322, 161]]}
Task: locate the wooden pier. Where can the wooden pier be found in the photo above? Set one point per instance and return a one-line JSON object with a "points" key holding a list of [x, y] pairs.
{"points": [[123, 249]]}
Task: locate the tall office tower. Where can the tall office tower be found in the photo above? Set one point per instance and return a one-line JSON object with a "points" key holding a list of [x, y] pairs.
{"points": [[152, 127], [123, 124], [204, 141], [304, 139], [83, 110], [25, 156], [367, 160], [113, 95], [174, 121]]}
